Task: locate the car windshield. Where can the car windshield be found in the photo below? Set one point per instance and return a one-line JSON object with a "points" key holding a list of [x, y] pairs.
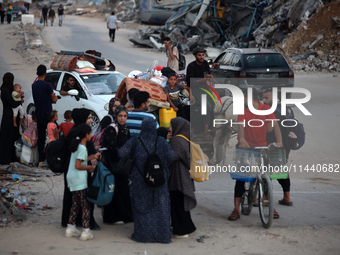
{"points": [[103, 84], [264, 60]]}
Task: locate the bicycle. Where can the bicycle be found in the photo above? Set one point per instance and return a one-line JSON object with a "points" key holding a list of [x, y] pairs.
{"points": [[252, 169]]}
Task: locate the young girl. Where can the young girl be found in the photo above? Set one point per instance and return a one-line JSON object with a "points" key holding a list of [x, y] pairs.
{"points": [[77, 182], [52, 128]]}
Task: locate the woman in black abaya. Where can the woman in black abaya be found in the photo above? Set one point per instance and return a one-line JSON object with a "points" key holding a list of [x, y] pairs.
{"points": [[8, 133]]}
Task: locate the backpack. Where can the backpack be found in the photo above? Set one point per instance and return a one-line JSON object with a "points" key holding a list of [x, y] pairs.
{"points": [[96, 139], [153, 168], [294, 137], [96, 129], [56, 155], [27, 120], [181, 60], [199, 169], [30, 135], [100, 191]]}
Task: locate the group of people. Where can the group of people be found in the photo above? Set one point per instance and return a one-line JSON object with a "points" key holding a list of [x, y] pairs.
{"points": [[152, 210], [247, 136], [49, 13], [7, 12], [133, 201], [129, 131]]}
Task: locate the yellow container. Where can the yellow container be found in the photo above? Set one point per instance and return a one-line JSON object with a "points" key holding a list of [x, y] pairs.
{"points": [[165, 116]]}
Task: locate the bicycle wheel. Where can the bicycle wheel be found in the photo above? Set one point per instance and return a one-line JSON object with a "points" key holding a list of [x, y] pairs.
{"points": [[266, 201], [247, 198]]}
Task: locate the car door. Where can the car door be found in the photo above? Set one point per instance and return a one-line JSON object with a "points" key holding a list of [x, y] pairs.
{"points": [[225, 67], [68, 102], [216, 71]]}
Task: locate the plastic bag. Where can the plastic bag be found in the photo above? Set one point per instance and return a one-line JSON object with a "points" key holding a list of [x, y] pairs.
{"points": [[41, 20], [160, 81]]}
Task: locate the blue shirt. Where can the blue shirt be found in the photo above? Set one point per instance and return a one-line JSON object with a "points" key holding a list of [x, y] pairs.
{"points": [[42, 92], [77, 179], [134, 121]]}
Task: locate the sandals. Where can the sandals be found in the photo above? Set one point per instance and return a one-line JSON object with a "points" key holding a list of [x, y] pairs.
{"points": [[276, 215], [234, 216], [283, 202]]}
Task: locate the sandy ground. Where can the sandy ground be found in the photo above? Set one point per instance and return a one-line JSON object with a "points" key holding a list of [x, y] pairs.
{"points": [[311, 226]]}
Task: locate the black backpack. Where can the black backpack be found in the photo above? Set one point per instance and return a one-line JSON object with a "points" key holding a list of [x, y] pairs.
{"points": [[153, 168], [56, 155], [181, 60]]}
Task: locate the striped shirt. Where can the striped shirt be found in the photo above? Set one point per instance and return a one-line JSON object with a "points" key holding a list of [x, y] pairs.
{"points": [[134, 121]]}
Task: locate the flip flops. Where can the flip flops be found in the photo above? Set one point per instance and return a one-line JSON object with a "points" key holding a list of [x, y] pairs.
{"points": [[282, 202]]}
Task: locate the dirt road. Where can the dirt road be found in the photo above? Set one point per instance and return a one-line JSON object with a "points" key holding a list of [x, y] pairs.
{"points": [[311, 226]]}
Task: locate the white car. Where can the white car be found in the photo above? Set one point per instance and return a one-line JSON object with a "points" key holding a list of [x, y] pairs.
{"points": [[96, 90]]}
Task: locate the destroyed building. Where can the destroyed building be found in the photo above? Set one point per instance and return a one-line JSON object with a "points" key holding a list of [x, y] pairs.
{"points": [[251, 23]]}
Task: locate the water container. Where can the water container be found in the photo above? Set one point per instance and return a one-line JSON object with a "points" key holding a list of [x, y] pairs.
{"points": [[165, 116]]}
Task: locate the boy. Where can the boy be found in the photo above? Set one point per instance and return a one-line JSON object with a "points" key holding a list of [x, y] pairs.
{"points": [[252, 136], [130, 104], [172, 90], [17, 94], [66, 126]]}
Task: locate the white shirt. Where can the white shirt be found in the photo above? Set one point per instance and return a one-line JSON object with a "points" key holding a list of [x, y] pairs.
{"points": [[112, 20]]}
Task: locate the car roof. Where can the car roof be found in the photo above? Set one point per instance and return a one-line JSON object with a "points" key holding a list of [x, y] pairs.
{"points": [[254, 50]]}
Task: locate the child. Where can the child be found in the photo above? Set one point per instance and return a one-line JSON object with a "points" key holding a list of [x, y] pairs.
{"points": [[17, 95], [65, 127], [130, 104], [172, 90], [52, 128], [77, 182]]}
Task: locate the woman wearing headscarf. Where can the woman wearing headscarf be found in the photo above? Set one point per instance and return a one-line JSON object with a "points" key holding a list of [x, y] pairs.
{"points": [[150, 206], [119, 209], [9, 134], [110, 117], [79, 115], [181, 185]]}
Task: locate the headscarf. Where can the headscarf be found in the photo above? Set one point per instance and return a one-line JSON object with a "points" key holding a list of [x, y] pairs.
{"points": [[148, 132], [8, 82], [180, 126], [119, 109], [80, 115], [111, 104]]}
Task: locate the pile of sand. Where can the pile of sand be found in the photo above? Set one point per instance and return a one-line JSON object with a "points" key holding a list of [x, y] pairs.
{"points": [[327, 49]]}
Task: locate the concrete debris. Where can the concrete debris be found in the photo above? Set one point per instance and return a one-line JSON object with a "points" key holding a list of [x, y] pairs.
{"points": [[223, 24], [318, 39], [126, 10]]}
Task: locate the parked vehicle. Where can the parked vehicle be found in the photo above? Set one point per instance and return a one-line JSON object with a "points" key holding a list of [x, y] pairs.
{"points": [[260, 68], [16, 13], [95, 91]]}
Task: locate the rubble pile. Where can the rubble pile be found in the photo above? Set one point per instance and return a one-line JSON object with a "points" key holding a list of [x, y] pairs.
{"points": [[17, 196], [315, 45], [224, 24], [32, 47]]}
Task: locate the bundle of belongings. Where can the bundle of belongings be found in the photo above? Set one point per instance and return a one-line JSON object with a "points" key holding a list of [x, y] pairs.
{"points": [[157, 96], [82, 62]]}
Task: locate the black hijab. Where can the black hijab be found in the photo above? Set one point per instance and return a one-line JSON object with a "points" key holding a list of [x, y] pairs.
{"points": [[119, 109], [8, 82], [80, 115]]}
